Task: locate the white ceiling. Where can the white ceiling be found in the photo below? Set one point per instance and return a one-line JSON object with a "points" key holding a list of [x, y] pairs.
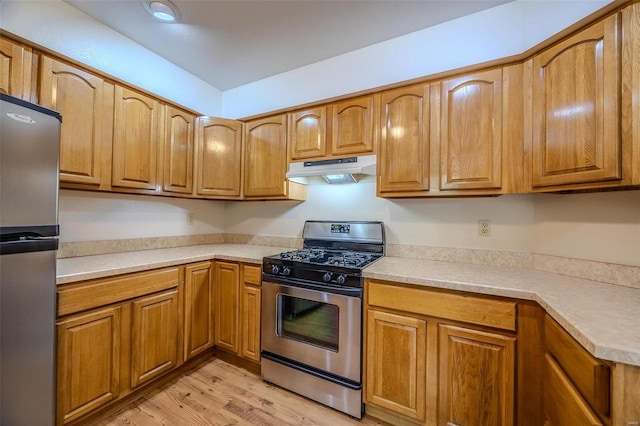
{"points": [[232, 43]]}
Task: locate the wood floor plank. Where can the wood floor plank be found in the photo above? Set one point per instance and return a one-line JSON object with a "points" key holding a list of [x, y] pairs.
{"points": [[220, 394]]}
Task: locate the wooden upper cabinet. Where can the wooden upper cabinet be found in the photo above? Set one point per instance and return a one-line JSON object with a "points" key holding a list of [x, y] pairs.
{"points": [[308, 133], [137, 126], [471, 131], [353, 126], [576, 108], [15, 69], [86, 104], [219, 158], [265, 157], [178, 151], [403, 160], [477, 377]]}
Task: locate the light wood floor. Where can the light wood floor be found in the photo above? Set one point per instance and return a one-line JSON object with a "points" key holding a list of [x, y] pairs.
{"points": [[221, 394]]}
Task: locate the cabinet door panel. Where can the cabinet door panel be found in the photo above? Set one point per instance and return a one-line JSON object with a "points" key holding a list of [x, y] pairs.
{"points": [[576, 89], [477, 382], [84, 101], [136, 139], [251, 322], [471, 131], [308, 133], [266, 157], [199, 309], [404, 141], [396, 357], [352, 130], [219, 159], [227, 284], [88, 362], [178, 152], [563, 404], [15, 69], [154, 336]]}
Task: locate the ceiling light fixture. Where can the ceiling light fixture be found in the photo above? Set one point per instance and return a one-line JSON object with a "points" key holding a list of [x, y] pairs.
{"points": [[164, 10]]}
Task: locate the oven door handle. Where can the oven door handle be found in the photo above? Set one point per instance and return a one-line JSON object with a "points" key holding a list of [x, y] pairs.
{"points": [[344, 291]]}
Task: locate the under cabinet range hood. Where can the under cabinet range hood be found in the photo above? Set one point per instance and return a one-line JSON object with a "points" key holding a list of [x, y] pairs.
{"points": [[340, 170]]}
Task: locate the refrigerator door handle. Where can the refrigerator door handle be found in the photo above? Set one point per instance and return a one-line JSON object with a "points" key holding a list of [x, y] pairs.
{"points": [[28, 246]]}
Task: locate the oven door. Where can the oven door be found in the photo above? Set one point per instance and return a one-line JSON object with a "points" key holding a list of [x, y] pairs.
{"points": [[319, 329]]}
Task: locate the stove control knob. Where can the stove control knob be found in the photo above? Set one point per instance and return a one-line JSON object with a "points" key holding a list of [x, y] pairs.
{"points": [[286, 271], [341, 279], [327, 277], [275, 269]]}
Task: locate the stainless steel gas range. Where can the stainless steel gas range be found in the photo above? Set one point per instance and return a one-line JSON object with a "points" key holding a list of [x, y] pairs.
{"points": [[312, 312]]}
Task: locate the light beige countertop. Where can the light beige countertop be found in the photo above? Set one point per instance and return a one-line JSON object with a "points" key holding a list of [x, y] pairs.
{"points": [[604, 318], [89, 267]]}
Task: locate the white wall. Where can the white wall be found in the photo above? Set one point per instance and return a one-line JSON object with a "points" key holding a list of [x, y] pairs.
{"points": [[432, 222], [502, 31], [92, 216], [63, 29], [604, 227]]}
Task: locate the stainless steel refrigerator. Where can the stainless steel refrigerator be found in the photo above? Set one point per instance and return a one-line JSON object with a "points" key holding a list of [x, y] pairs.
{"points": [[29, 151]]}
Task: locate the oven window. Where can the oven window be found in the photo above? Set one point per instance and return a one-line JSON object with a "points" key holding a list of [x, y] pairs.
{"points": [[308, 321]]}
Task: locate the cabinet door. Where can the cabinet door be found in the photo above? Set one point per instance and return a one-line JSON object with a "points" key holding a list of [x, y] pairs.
{"points": [[178, 152], [308, 134], [576, 98], [250, 320], [404, 142], [154, 336], [199, 308], [15, 69], [563, 404], [471, 131], [88, 362], [352, 130], [136, 140], [477, 371], [85, 102], [226, 278], [265, 157], [219, 158], [395, 363]]}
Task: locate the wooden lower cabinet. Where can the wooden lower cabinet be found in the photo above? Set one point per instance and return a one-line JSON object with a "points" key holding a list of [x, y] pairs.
{"points": [[237, 308], [563, 404], [88, 362], [250, 320], [477, 371], [154, 336], [227, 289], [114, 335], [396, 357], [199, 308], [435, 371]]}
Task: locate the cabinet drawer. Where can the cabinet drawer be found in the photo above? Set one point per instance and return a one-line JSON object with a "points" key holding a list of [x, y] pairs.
{"points": [[474, 310], [91, 294], [563, 404], [590, 376], [252, 274]]}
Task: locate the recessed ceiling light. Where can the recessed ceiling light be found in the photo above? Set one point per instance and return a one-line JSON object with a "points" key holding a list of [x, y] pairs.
{"points": [[162, 10]]}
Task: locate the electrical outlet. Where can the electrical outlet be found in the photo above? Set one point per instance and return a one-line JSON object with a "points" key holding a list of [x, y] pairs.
{"points": [[484, 227], [190, 218]]}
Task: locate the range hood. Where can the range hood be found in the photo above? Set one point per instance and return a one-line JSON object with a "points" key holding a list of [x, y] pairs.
{"points": [[341, 170]]}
